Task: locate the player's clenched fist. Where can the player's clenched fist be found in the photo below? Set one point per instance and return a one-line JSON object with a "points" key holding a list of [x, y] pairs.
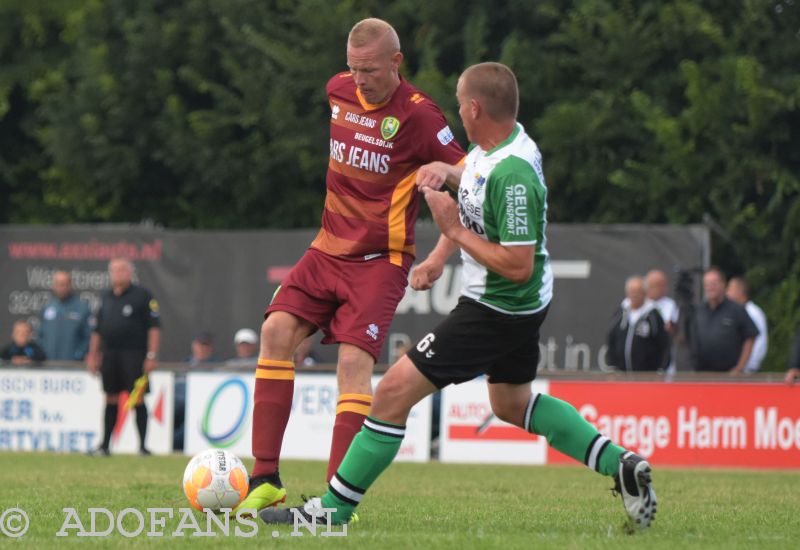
{"points": [[425, 274]]}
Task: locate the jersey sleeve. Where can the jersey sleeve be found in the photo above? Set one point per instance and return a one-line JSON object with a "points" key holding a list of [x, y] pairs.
{"points": [[153, 314], [514, 202], [435, 140]]}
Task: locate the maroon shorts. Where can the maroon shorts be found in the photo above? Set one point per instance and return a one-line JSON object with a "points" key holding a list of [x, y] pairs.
{"points": [[351, 301]]}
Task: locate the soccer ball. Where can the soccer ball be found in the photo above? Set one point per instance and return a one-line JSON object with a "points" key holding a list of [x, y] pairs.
{"points": [[215, 479]]}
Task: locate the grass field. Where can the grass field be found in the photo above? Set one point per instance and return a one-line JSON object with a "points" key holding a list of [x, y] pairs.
{"points": [[421, 506]]}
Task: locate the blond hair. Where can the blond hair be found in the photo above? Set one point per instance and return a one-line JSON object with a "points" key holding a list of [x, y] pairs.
{"points": [[495, 86], [369, 31]]}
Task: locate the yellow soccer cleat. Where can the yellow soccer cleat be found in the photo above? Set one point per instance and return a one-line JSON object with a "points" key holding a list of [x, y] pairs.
{"points": [[263, 495]]}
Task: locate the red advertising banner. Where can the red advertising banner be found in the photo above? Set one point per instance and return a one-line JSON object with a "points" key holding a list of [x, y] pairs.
{"points": [[692, 424]]}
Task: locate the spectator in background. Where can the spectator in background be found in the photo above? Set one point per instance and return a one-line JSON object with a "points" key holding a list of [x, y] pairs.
{"points": [[739, 291], [124, 345], [202, 349], [637, 340], [722, 333], [246, 343], [64, 330], [656, 284], [794, 361], [22, 350]]}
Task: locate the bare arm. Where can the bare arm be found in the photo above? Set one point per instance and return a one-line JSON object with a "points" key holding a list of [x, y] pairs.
{"points": [[436, 174], [94, 358], [426, 273], [153, 345], [747, 349], [514, 263]]}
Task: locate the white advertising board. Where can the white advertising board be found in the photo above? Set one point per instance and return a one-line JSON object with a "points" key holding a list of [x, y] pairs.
{"points": [[62, 411], [219, 411], [471, 433]]}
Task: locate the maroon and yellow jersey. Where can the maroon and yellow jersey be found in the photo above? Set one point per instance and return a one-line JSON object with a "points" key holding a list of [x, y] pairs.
{"points": [[375, 150]]}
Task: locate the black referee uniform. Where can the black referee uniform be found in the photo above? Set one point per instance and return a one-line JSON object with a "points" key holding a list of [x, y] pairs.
{"points": [[123, 324]]}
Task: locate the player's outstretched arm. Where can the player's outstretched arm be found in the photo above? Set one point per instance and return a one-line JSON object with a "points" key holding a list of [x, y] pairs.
{"points": [[514, 263], [437, 173], [428, 272]]}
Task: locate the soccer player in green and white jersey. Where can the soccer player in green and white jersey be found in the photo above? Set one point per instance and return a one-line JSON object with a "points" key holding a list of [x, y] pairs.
{"points": [[499, 225]]}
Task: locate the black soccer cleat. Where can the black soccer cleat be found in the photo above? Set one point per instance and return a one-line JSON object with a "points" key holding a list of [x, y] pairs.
{"points": [[634, 483], [311, 512]]}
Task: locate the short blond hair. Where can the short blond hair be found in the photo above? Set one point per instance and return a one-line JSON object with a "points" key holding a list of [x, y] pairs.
{"points": [[371, 30], [495, 86]]}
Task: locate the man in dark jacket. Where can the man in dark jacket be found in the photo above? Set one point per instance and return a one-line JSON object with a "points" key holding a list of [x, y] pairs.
{"points": [[637, 340], [721, 331]]}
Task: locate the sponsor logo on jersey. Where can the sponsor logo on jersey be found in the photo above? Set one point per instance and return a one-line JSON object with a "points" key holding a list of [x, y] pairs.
{"points": [[335, 111], [517, 210], [389, 127], [374, 140], [372, 331], [361, 120], [445, 135], [357, 157], [480, 181]]}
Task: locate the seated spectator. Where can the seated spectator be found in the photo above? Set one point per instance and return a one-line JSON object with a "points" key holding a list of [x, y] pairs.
{"points": [[637, 340], [722, 333], [202, 352], [739, 291], [64, 330], [246, 343], [794, 361], [202, 349], [22, 350]]}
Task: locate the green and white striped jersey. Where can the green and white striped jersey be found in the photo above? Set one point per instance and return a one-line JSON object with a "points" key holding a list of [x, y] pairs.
{"points": [[503, 199]]}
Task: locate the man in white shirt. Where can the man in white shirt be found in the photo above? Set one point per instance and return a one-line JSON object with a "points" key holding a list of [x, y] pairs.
{"points": [[656, 284], [739, 291]]}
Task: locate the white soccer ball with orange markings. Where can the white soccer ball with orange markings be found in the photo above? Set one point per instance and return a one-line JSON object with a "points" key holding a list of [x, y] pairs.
{"points": [[215, 479]]}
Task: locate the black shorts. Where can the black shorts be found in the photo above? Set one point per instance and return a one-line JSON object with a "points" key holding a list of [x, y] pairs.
{"points": [[121, 368], [475, 339]]}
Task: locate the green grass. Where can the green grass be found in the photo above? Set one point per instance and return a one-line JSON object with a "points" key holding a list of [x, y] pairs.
{"points": [[425, 506]]}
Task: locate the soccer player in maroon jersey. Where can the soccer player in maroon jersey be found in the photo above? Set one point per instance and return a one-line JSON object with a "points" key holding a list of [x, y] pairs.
{"points": [[349, 282]]}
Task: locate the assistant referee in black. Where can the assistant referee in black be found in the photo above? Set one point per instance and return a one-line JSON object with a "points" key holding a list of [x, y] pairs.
{"points": [[124, 345]]}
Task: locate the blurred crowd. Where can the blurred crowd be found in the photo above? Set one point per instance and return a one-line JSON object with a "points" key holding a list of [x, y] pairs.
{"points": [[724, 332]]}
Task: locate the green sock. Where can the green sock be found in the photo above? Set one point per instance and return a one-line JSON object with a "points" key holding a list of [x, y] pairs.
{"points": [[370, 453], [567, 431]]}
